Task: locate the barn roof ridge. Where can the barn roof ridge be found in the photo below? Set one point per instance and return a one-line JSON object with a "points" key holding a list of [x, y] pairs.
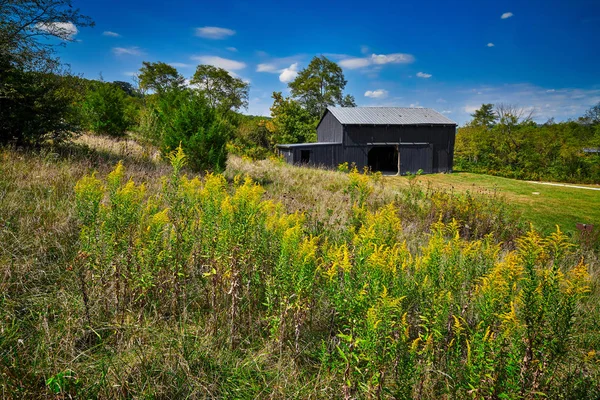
{"points": [[388, 116]]}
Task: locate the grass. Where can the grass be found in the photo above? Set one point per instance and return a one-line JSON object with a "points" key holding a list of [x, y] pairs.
{"points": [[293, 336], [544, 206]]}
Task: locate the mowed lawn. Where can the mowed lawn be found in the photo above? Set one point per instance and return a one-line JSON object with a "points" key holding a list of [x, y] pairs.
{"points": [[543, 205]]}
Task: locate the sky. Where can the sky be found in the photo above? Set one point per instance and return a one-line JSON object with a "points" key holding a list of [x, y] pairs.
{"points": [[451, 56]]}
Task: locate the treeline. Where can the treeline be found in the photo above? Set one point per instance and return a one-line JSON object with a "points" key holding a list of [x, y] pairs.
{"points": [[503, 140], [41, 102]]}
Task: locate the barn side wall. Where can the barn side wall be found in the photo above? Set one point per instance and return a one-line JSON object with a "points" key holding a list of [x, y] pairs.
{"points": [[441, 138], [330, 129]]}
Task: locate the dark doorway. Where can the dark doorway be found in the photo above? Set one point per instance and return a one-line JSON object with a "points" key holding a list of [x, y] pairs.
{"points": [[384, 159], [304, 156]]}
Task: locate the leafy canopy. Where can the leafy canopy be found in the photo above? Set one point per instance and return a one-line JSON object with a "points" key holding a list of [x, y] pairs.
{"points": [[159, 77], [319, 85], [223, 91]]}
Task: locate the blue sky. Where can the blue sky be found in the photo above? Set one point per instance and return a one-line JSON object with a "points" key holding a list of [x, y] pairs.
{"points": [[448, 55]]}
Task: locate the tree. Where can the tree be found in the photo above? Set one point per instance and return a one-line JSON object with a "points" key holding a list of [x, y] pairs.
{"points": [[159, 77], [320, 85], [293, 123], [485, 116], [187, 119], [127, 87], [223, 91], [105, 109], [25, 26], [37, 99], [592, 115]]}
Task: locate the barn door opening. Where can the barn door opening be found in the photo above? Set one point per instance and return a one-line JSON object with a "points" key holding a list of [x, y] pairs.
{"points": [[304, 156], [384, 159]]}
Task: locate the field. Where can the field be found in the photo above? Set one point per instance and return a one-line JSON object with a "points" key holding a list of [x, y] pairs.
{"points": [[126, 276], [545, 206]]}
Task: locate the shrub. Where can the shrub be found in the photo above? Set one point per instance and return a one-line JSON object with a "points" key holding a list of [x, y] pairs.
{"points": [[105, 109]]}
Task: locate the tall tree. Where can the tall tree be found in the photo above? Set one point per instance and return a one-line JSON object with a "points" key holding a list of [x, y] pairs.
{"points": [[223, 91], [37, 99], [293, 123], [319, 85], [25, 26], [485, 116], [592, 115], [159, 77]]}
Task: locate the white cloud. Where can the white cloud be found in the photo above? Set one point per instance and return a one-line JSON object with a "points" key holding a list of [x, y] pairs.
{"points": [[471, 109], [440, 100], [289, 74], [225, 63], [506, 15], [129, 73], [490, 44], [353, 63], [214, 32], [131, 51], [396, 58], [377, 59], [376, 94], [111, 34], [446, 112], [233, 49], [180, 65], [550, 91], [63, 30], [266, 67], [364, 49], [424, 75]]}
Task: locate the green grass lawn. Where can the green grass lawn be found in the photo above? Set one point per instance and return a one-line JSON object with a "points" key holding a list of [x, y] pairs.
{"points": [[545, 206]]}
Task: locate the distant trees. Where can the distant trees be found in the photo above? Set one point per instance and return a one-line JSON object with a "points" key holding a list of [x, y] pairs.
{"points": [[504, 140]]}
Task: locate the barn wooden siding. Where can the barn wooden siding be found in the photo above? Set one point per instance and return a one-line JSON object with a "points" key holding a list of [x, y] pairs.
{"points": [[427, 147]]}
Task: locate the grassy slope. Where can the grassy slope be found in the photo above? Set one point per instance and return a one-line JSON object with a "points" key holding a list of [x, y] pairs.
{"points": [[553, 205]]}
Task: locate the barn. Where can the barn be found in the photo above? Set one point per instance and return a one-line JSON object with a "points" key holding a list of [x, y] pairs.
{"points": [[387, 139]]}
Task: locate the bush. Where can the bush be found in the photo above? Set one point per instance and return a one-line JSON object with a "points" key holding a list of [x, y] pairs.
{"points": [[36, 106], [105, 109], [186, 119]]}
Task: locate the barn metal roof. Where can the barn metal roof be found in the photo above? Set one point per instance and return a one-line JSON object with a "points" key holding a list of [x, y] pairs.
{"points": [[388, 116]]}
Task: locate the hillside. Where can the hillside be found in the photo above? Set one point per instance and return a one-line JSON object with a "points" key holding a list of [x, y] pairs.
{"points": [[313, 284]]}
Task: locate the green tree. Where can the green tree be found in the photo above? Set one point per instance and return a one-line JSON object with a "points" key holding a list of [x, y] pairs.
{"points": [[159, 77], [293, 123], [320, 85], [37, 98], [186, 118], [105, 109], [485, 116], [222, 90], [592, 115]]}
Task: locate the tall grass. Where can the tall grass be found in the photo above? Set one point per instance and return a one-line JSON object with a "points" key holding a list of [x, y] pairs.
{"points": [[188, 287]]}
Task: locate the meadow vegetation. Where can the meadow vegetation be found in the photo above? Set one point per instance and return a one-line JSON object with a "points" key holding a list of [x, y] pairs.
{"points": [[135, 279]]}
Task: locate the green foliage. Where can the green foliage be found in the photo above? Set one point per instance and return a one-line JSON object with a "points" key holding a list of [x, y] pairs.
{"points": [[319, 85], [159, 77], [105, 109], [515, 147], [223, 91], [37, 100], [37, 106], [186, 119], [293, 123]]}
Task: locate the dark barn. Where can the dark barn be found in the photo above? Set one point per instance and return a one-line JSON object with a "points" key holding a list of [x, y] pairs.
{"points": [[375, 137]]}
